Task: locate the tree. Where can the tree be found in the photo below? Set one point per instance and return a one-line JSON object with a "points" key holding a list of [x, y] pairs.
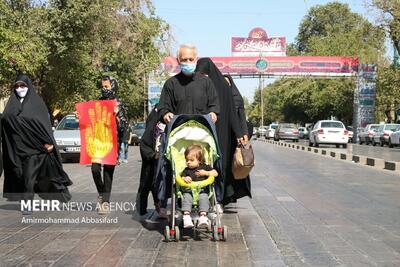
{"points": [[75, 42], [390, 19]]}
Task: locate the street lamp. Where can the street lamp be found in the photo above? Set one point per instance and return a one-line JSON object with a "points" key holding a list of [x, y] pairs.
{"points": [[261, 65]]}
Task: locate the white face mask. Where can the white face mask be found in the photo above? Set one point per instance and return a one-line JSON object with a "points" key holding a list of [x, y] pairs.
{"points": [[21, 91]]}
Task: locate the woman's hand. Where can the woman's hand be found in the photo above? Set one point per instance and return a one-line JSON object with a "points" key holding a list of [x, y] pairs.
{"points": [[49, 148], [187, 179]]}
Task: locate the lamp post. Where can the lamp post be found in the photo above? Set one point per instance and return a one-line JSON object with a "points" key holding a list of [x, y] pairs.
{"points": [[261, 65]]}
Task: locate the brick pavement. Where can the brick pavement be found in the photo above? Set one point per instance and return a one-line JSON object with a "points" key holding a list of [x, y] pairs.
{"points": [[306, 211]]}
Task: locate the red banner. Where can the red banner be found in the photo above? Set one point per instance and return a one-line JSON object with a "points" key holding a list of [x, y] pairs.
{"points": [[98, 132], [276, 66]]}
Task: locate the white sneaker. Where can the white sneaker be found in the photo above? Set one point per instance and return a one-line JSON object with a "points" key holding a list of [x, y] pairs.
{"points": [[219, 209], [187, 221], [163, 213], [203, 222]]}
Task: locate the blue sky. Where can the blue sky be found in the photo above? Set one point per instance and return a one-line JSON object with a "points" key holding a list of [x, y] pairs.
{"points": [[210, 24]]}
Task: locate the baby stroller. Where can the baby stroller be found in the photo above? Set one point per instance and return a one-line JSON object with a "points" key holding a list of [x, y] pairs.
{"points": [[182, 131]]}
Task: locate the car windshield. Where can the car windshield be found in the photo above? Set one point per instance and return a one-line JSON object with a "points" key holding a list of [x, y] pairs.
{"points": [[350, 128], [69, 123], [140, 125], [391, 127], [331, 124], [274, 126], [374, 127]]}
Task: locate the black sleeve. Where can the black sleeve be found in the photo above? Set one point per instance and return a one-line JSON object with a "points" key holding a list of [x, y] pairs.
{"points": [[207, 167], [166, 103], [185, 173], [235, 124], [243, 122], [213, 102]]}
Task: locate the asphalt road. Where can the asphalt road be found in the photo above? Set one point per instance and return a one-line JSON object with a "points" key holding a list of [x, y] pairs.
{"points": [[389, 154], [306, 210]]}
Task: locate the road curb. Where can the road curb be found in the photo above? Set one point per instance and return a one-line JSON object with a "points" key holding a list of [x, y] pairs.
{"points": [[376, 163]]}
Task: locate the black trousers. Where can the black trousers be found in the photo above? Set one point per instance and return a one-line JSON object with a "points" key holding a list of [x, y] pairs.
{"points": [[104, 184]]}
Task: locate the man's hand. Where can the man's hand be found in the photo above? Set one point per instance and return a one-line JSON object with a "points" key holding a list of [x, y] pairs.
{"points": [[168, 117], [49, 148], [213, 117], [201, 173], [187, 179]]}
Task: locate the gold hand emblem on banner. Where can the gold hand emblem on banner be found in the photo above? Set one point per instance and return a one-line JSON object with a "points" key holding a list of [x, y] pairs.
{"points": [[98, 135]]}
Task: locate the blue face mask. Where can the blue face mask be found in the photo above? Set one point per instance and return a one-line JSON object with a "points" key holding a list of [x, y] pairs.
{"points": [[188, 68]]}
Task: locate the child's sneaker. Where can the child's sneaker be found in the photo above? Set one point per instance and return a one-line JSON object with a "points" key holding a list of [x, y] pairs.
{"points": [[203, 222], [187, 221]]}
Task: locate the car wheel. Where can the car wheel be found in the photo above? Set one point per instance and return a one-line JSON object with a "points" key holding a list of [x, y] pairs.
{"points": [[316, 144], [382, 143], [344, 145], [373, 142], [310, 143], [337, 146], [390, 143], [361, 142]]}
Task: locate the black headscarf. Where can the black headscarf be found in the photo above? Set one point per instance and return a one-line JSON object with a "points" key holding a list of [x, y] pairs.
{"points": [[26, 128], [228, 127]]}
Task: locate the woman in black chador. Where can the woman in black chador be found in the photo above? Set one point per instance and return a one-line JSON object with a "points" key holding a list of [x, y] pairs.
{"points": [[229, 132], [32, 162]]}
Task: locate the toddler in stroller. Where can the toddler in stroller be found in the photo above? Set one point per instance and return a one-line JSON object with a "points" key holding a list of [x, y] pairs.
{"points": [[191, 148], [196, 170]]}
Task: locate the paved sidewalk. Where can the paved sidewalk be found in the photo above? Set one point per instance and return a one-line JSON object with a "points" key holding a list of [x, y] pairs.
{"points": [[132, 241], [306, 210]]}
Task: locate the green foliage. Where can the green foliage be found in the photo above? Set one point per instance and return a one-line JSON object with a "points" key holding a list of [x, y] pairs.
{"points": [[390, 19], [67, 45], [387, 93]]}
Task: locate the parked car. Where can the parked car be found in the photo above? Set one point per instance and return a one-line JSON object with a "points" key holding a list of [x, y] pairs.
{"points": [[137, 133], [261, 131], [286, 131], [394, 138], [68, 139], [383, 134], [366, 134], [329, 132], [271, 131], [303, 133], [350, 129]]}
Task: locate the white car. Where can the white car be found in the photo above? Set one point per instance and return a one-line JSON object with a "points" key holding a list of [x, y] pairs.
{"points": [[384, 132], [261, 131], [271, 131], [394, 138], [68, 139], [329, 132]]}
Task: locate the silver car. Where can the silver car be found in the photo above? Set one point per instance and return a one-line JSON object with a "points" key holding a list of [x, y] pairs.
{"points": [[68, 138]]}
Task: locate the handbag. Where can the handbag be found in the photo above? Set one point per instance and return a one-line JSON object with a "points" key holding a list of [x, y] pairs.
{"points": [[243, 161]]}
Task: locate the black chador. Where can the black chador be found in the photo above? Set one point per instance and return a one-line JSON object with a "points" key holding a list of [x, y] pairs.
{"points": [[228, 130], [28, 166]]}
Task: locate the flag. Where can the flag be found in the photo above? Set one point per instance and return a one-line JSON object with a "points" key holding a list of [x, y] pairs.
{"points": [[98, 132]]}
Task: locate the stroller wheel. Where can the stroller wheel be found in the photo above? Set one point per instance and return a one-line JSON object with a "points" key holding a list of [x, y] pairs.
{"points": [[215, 233], [224, 233], [167, 234], [195, 235], [177, 234]]}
